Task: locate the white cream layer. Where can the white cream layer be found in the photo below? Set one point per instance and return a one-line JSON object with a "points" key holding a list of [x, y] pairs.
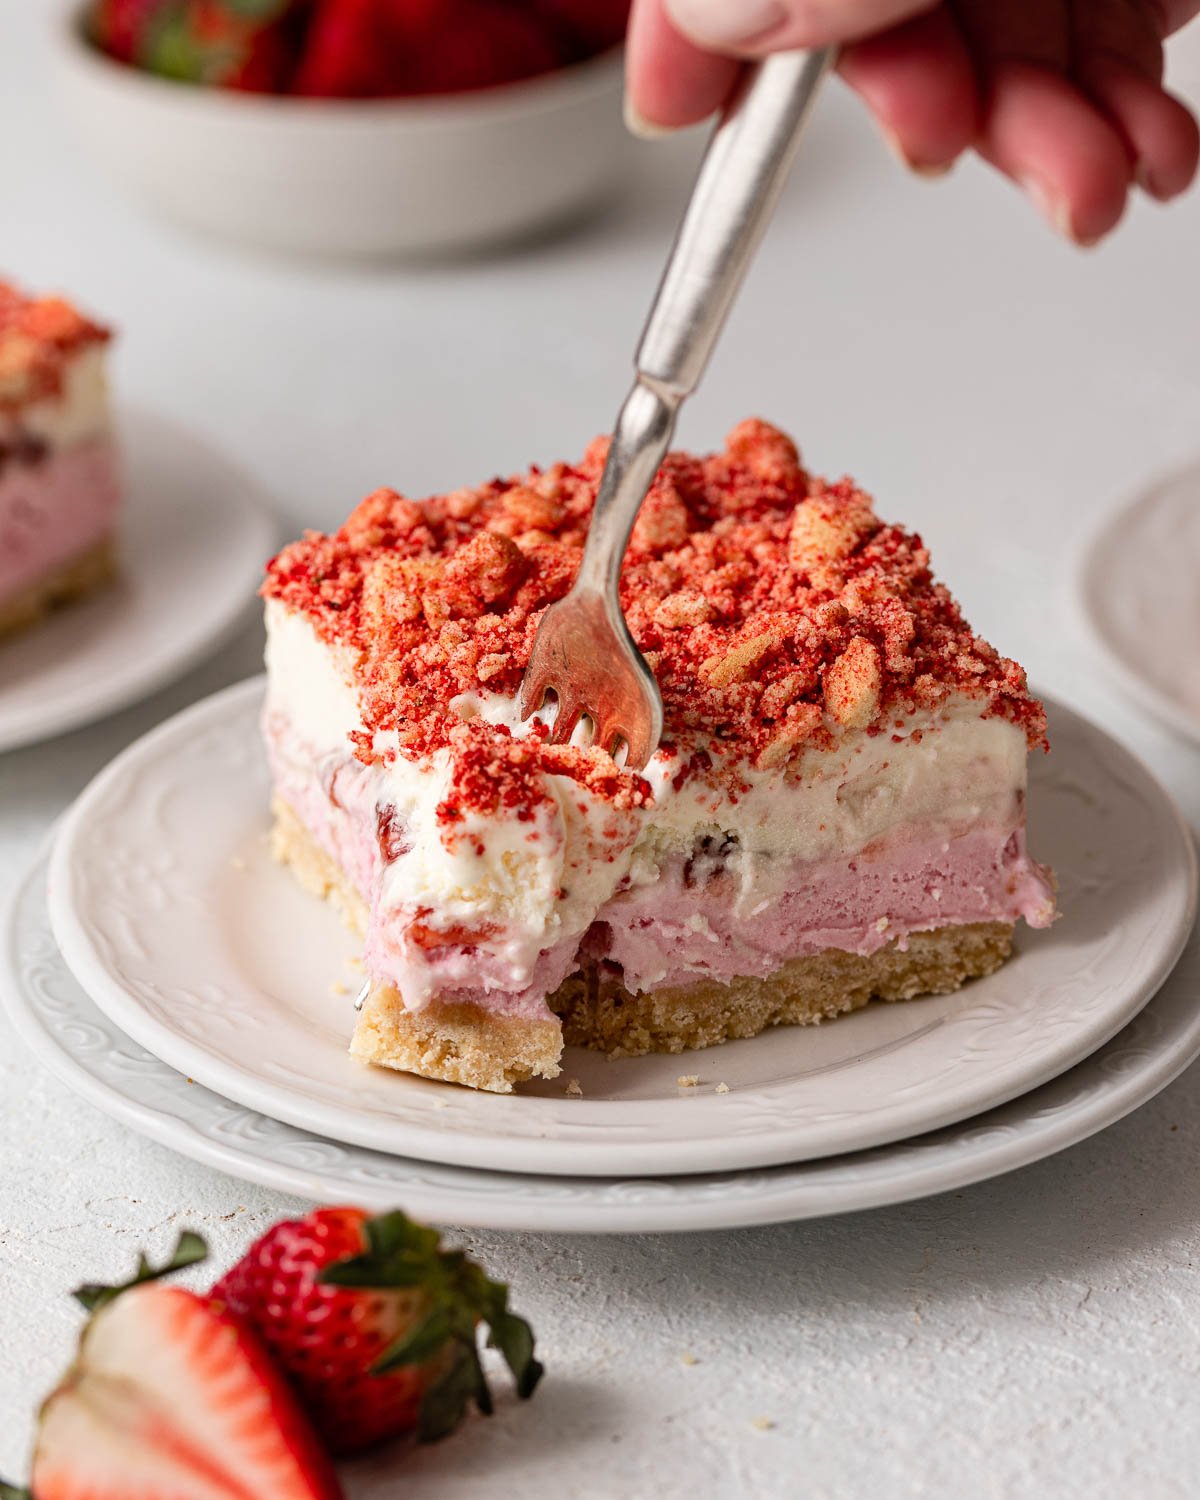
{"points": [[79, 411], [541, 884]]}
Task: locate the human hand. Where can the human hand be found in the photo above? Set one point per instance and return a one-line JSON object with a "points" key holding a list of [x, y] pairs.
{"points": [[1066, 99]]}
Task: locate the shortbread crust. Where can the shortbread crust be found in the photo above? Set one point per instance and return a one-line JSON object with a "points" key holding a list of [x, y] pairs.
{"points": [[64, 585]]}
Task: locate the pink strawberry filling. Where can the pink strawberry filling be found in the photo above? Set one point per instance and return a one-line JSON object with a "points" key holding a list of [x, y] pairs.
{"points": [[700, 920], [676, 932], [54, 509]]}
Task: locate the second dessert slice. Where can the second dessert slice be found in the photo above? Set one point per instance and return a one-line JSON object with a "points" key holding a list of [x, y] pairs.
{"points": [[59, 484]]}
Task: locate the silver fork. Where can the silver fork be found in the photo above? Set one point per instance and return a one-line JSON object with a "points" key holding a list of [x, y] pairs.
{"points": [[583, 652]]}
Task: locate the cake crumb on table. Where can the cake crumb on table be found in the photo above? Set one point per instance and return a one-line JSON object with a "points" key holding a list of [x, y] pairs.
{"points": [[338, 987], [574, 1089], [722, 1088], [762, 1424], [688, 1358], [687, 1080]]}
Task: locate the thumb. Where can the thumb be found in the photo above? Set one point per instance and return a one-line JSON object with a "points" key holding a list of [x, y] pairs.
{"points": [[751, 28]]}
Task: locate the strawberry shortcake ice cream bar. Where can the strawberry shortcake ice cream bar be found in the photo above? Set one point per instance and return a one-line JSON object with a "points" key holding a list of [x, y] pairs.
{"points": [[59, 484], [836, 812]]}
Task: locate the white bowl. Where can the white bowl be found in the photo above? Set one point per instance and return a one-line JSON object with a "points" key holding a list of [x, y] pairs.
{"points": [[350, 177]]}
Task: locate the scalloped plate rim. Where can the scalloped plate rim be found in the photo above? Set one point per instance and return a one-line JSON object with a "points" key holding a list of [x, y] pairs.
{"points": [[1015, 1135], [533, 1148]]}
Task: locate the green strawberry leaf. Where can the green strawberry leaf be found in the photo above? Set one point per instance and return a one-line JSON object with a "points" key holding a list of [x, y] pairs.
{"points": [[419, 1345], [172, 48], [445, 1402], [514, 1339], [11, 1492], [395, 1234], [189, 1250], [400, 1254], [257, 10]]}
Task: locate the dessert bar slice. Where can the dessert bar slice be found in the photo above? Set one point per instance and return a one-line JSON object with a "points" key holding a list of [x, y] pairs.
{"points": [[58, 467], [836, 812]]}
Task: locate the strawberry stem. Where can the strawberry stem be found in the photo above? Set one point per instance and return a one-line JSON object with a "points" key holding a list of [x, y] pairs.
{"points": [[402, 1254], [189, 1250]]}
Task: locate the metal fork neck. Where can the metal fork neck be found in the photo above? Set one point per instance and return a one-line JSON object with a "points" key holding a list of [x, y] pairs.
{"points": [[640, 440]]}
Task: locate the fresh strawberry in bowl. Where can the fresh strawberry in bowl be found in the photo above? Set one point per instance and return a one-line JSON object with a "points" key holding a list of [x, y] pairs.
{"points": [[354, 48], [236, 44], [375, 1324], [353, 129]]}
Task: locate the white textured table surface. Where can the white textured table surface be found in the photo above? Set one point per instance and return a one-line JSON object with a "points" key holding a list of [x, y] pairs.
{"points": [[1033, 1336]]}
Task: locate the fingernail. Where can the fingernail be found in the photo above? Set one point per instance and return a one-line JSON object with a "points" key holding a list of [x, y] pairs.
{"points": [[921, 168], [1144, 180], [1052, 209], [726, 25], [637, 124]]}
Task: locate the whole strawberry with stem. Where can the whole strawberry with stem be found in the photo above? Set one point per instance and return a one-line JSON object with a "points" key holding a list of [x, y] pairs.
{"points": [[172, 1398], [375, 1324]]}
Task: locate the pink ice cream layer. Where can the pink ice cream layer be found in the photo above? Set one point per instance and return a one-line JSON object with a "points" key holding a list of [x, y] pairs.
{"points": [[689, 925], [54, 510], [923, 876]]}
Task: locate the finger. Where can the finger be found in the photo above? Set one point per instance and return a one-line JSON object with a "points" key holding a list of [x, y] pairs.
{"points": [[669, 81], [1047, 136], [1177, 13], [751, 28], [918, 81], [1160, 133]]}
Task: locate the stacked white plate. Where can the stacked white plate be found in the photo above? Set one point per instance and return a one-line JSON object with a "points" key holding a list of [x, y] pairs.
{"points": [[164, 967]]}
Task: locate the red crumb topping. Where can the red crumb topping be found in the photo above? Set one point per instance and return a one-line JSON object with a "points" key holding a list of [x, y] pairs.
{"points": [[775, 609], [38, 338]]}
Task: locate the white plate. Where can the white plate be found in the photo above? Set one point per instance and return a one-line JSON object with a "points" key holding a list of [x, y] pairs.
{"points": [[195, 534], [1140, 590], [98, 1062], [173, 918]]}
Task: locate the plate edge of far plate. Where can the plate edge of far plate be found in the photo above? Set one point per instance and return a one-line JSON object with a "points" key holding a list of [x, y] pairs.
{"points": [[256, 506], [1122, 674]]}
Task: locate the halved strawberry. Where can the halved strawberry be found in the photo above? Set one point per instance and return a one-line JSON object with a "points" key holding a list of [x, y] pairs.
{"points": [[171, 1398], [375, 1324]]}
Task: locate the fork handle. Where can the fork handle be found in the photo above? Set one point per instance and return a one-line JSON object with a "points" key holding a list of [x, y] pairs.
{"points": [[740, 180], [735, 194]]}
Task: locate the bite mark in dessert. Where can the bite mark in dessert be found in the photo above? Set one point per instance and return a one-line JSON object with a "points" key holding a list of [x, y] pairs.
{"points": [[836, 812], [59, 487]]}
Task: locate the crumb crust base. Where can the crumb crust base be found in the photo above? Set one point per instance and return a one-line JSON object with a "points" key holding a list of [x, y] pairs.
{"points": [[62, 585]]}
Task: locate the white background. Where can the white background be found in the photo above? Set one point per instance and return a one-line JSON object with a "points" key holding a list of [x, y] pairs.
{"points": [[1033, 1336]]}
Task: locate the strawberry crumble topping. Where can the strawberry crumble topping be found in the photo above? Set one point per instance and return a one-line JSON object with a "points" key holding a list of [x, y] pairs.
{"points": [[38, 337], [776, 610]]}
